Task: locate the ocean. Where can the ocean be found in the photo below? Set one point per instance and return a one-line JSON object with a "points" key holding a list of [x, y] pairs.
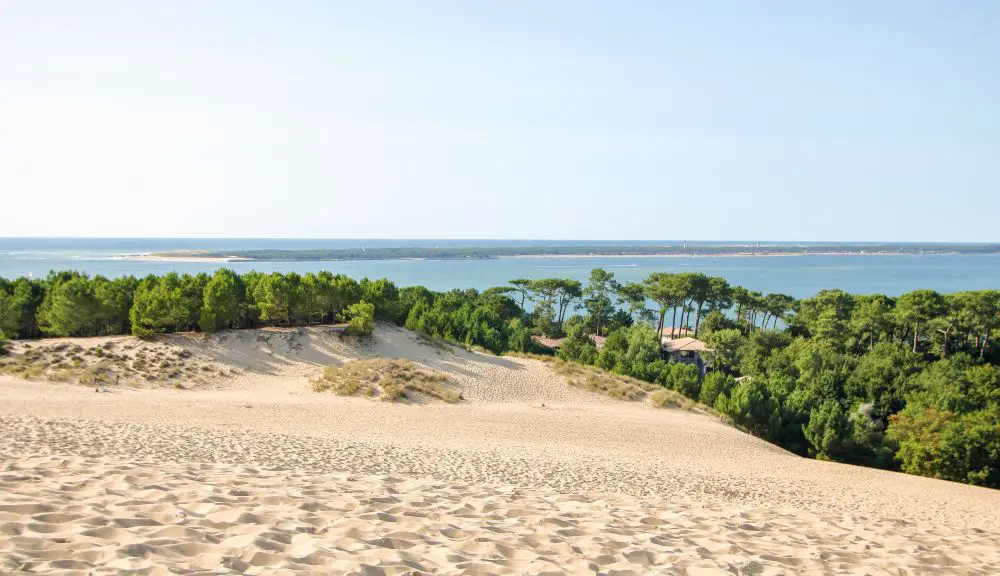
{"points": [[799, 276]]}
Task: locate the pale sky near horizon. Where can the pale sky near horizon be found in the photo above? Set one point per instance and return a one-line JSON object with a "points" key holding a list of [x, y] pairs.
{"points": [[778, 120]]}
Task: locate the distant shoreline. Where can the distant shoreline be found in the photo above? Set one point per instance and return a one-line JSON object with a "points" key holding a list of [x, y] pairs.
{"points": [[175, 257], [551, 252], [731, 255]]}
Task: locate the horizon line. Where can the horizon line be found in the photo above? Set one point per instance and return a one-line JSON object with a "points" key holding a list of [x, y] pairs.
{"points": [[452, 239]]}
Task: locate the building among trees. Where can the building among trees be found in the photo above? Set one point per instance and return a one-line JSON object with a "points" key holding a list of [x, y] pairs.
{"points": [[687, 351]]}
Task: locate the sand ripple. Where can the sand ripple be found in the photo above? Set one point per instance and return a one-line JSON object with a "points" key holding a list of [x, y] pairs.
{"points": [[105, 516], [257, 474]]}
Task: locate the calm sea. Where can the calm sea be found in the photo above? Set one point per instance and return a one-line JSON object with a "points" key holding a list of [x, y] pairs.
{"points": [[799, 276]]}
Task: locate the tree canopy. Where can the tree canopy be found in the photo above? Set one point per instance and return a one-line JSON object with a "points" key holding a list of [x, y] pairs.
{"points": [[908, 383]]}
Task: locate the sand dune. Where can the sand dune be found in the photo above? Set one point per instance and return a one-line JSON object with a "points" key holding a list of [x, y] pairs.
{"points": [[273, 358], [64, 514], [298, 352], [255, 473]]}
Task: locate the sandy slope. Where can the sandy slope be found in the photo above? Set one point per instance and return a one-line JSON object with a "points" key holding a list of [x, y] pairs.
{"points": [[256, 473]]}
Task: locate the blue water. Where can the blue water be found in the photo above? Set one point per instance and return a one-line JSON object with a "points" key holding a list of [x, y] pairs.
{"points": [[799, 276]]}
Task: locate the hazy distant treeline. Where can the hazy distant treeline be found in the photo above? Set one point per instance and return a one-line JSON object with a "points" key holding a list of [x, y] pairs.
{"points": [[692, 249]]}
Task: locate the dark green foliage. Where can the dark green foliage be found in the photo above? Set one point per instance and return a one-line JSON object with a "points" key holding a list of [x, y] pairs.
{"points": [[632, 301], [906, 382], [313, 298], [635, 352], [360, 319], [957, 384], [597, 300], [471, 318], [384, 295], [77, 305], [642, 358], [882, 377], [756, 352], [713, 322], [614, 350], [621, 319], [868, 434], [828, 431], [19, 303], [552, 298], [166, 304], [519, 337], [714, 385], [970, 448], [410, 296], [10, 312], [825, 318], [684, 378], [579, 346], [522, 287], [70, 308], [115, 298], [943, 444], [727, 345], [916, 309], [277, 297], [871, 321], [223, 302], [750, 405]]}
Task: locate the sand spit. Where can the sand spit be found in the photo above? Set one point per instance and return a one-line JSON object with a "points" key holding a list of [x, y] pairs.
{"points": [[256, 473]]}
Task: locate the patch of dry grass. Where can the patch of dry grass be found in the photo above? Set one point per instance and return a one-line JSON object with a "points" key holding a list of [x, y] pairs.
{"points": [[667, 398], [603, 382], [623, 387], [532, 356], [97, 374], [62, 375], [105, 363], [437, 343], [33, 372], [389, 379]]}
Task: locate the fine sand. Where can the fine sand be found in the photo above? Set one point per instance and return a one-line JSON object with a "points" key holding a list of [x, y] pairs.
{"points": [[250, 471]]}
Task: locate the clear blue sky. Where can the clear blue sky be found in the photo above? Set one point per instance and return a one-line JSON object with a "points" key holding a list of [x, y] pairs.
{"points": [[510, 119]]}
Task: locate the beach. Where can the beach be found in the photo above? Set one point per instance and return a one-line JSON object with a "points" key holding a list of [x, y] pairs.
{"points": [[193, 256], [237, 465]]}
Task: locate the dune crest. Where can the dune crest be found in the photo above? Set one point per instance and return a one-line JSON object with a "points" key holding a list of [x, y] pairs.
{"points": [[254, 472], [277, 359]]}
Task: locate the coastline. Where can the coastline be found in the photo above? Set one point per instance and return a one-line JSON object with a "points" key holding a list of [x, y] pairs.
{"points": [[728, 255], [177, 258], [195, 258]]}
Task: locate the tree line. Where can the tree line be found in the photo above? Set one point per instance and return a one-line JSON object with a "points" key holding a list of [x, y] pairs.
{"points": [[906, 383], [73, 304], [683, 248]]}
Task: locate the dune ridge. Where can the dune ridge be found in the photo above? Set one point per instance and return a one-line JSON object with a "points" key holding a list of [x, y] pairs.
{"points": [[255, 473], [105, 516]]}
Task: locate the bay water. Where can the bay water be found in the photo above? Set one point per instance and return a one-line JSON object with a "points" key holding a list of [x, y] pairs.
{"points": [[799, 276]]}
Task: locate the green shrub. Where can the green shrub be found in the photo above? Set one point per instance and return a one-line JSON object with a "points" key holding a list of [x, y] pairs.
{"points": [[360, 319], [715, 384]]}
